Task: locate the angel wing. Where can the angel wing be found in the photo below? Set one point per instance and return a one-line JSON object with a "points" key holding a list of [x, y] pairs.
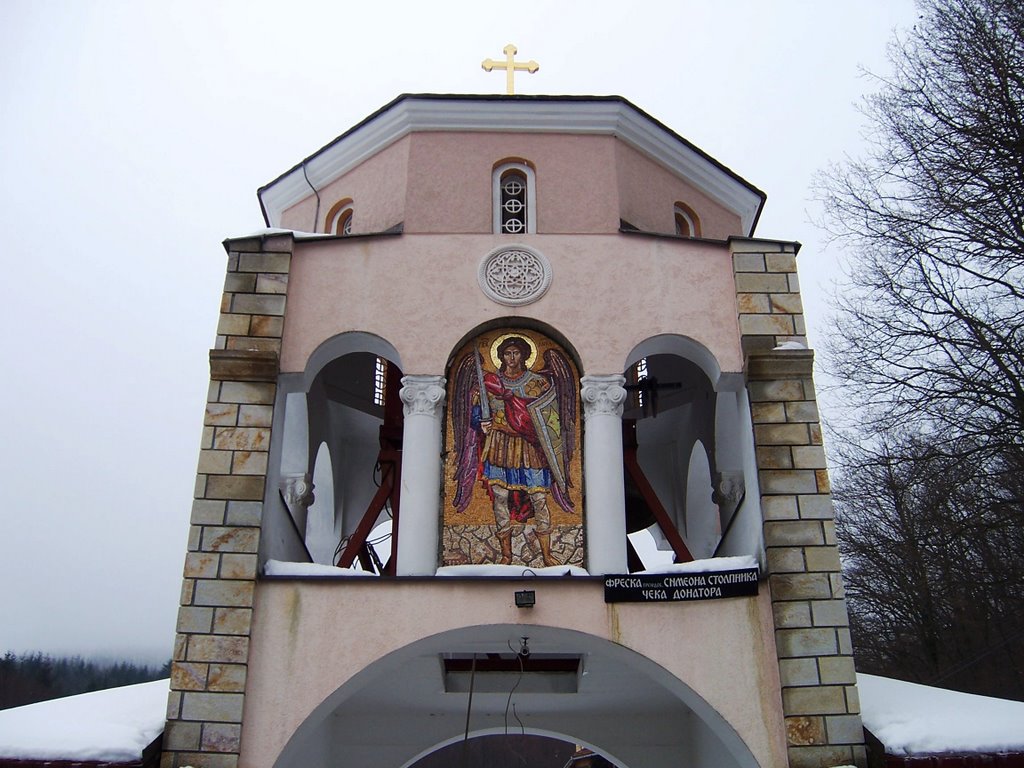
{"points": [[466, 438], [559, 370]]}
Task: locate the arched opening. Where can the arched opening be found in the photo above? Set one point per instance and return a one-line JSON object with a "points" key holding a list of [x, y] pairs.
{"points": [[339, 218], [513, 749], [688, 456], [404, 710], [686, 221], [339, 458]]}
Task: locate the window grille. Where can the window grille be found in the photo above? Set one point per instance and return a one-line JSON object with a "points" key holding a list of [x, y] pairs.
{"points": [[339, 218], [380, 379], [639, 374], [514, 198], [513, 203]]}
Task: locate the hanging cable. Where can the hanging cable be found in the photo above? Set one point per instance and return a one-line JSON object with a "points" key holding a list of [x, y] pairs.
{"points": [[469, 708], [342, 546], [316, 216], [518, 656]]}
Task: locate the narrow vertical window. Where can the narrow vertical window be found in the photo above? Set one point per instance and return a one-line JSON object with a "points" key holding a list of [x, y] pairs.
{"points": [[639, 377], [513, 203], [380, 381], [514, 199]]}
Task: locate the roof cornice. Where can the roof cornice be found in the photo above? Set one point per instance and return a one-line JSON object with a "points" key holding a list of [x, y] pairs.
{"points": [[593, 115]]}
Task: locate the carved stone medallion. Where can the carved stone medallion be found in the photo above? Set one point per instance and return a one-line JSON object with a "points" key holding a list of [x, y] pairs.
{"points": [[514, 275]]}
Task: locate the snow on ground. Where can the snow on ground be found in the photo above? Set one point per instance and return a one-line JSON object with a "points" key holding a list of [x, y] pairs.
{"points": [[114, 725], [910, 718], [117, 724]]}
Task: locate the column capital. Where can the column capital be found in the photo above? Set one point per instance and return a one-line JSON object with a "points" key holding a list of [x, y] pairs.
{"points": [[423, 395], [603, 395], [296, 489]]}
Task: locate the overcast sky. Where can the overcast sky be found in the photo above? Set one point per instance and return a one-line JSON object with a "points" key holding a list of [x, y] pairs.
{"points": [[133, 136]]}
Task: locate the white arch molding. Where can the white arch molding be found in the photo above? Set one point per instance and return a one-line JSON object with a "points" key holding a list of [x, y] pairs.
{"points": [[344, 344], [393, 712], [689, 349], [501, 731]]}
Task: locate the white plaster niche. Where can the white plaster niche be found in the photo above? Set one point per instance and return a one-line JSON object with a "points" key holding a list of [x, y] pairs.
{"points": [[514, 275]]}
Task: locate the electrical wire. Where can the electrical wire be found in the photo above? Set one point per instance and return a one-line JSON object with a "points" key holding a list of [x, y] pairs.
{"points": [[342, 546], [469, 708], [522, 728], [316, 216], [519, 657]]}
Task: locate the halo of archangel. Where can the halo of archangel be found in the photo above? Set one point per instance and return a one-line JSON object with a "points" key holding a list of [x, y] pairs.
{"points": [[512, 468]]}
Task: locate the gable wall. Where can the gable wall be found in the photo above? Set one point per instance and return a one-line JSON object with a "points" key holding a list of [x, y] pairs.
{"points": [[648, 193], [450, 181], [440, 182], [377, 187]]}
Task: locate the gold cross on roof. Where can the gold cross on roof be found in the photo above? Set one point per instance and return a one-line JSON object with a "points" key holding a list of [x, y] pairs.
{"points": [[510, 66]]}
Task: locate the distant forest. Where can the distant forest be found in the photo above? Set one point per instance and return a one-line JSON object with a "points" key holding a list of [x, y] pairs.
{"points": [[33, 677]]}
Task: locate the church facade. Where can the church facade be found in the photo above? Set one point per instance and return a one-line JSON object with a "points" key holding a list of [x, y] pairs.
{"points": [[511, 430]]}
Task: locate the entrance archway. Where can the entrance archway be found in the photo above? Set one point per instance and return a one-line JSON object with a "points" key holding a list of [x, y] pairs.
{"points": [[513, 750], [415, 700]]}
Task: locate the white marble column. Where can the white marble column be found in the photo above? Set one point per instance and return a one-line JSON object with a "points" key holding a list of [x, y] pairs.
{"points": [[419, 512], [603, 397]]}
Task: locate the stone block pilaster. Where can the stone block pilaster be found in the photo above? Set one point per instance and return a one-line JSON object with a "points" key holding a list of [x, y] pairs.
{"points": [[211, 650], [767, 293], [812, 635]]}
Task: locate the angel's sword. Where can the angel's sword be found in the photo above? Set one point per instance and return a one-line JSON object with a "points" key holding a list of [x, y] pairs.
{"points": [[485, 403]]}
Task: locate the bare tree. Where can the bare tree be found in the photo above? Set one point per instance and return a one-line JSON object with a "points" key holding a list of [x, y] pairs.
{"points": [[930, 321], [933, 571], [928, 348]]}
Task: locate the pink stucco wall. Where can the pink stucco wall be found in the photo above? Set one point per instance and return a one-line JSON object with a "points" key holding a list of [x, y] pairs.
{"points": [[377, 188], [303, 646], [450, 181], [648, 192], [420, 293], [438, 182]]}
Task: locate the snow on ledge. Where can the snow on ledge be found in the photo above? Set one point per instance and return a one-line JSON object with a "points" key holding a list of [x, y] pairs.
{"points": [[736, 563], [519, 571], [909, 718], [114, 725], [282, 568], [296, 233]]}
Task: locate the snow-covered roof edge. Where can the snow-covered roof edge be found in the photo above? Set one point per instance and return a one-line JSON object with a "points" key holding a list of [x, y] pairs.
{"points": [[914, 719], [116, 725]]}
